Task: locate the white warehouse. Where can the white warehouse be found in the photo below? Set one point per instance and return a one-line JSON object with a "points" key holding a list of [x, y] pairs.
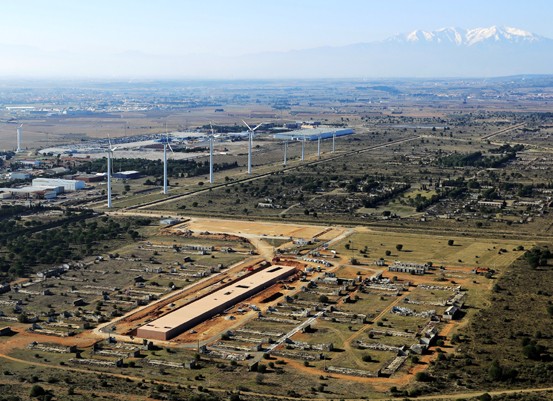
{"points": [[313, 134], [68, 185]]}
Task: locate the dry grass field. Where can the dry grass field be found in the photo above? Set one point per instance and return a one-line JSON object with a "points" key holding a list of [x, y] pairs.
{"points": [[465, 252]]}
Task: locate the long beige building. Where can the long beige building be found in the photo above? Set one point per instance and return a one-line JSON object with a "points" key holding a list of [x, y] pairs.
{"points": [[188, 316]]}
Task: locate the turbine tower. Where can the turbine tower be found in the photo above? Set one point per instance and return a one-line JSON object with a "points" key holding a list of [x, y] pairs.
{"points": [[211, 154], [303, 148], [285, 152], [333, 141], [250, 143], [319, 147], [165, 146], [111, 149], [19, 150]]}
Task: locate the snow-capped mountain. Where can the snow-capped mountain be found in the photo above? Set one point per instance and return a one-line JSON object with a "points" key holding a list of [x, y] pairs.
{"points": [[468, 37]]}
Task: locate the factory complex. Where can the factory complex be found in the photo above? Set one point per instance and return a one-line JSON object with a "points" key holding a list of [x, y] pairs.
{"points": [[313, 134], [188, 316], [45, 188]]}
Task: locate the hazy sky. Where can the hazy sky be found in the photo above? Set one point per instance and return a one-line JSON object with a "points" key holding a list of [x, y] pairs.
{"points": [[230, 27]]}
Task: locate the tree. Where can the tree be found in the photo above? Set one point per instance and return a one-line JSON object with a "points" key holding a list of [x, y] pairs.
{"points": [[533, 351], [22, 318], [496, 372], [388, 253], [423, 377], [450, 242], [367, 358], [323, 299], [550, 310], [37, 391], [261, 368], [399, 247]]}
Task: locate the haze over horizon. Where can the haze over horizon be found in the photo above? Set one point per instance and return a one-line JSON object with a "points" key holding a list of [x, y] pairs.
{"points": [[243, 38]]}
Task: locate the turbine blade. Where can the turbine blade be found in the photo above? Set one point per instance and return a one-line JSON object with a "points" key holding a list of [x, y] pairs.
{"points": [[249, 128], [211, 128], [258, 125], [170, 148]]}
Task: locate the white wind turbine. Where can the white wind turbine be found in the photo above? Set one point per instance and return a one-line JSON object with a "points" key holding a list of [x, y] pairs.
{"points": [[250, 142], [19, 150], [211, 154], [319, 147], [165, 146], [111, 149]]}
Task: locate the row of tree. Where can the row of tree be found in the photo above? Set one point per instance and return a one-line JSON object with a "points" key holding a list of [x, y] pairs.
{"points": [[175, 169]]}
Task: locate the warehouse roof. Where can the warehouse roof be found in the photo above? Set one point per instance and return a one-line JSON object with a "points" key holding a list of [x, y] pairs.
{"points": [[210, 302]]}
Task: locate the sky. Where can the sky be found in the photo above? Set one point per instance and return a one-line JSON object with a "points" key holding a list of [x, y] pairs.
{"points": [[54, 33]]}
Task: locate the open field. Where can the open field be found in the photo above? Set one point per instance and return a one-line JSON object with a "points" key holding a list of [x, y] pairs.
{"points": [[264, 229], [465, 251]]}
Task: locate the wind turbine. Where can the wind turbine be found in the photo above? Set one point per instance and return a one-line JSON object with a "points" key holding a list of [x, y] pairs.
{"points": [[165, 145], [111, 149], [319, 147], [211, 154], [250, 142], [19, 150]]}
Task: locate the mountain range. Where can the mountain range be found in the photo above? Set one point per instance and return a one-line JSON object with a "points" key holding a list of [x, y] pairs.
{"points": [[470, 37], [446, 52]]}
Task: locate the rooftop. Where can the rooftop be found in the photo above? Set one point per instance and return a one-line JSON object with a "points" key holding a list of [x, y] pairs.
{"points": [[210, 302]]}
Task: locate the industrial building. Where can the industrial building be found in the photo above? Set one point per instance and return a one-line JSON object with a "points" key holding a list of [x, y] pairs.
{"points": [[91, 177], [127, 175], [411, 268], [17, 175], [68, 185], [188, 316], [31, 192], [313, 134]]}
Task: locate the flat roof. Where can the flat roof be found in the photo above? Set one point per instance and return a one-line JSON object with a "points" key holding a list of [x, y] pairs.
{"points": [[60, 181], [308, 132], [210, 302], [29, 189]]}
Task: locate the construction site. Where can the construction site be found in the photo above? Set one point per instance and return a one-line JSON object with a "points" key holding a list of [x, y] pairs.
{"points": [[212, 304]]}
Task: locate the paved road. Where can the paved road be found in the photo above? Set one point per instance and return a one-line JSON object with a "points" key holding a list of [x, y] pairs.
{"points": [[502, 131]]}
